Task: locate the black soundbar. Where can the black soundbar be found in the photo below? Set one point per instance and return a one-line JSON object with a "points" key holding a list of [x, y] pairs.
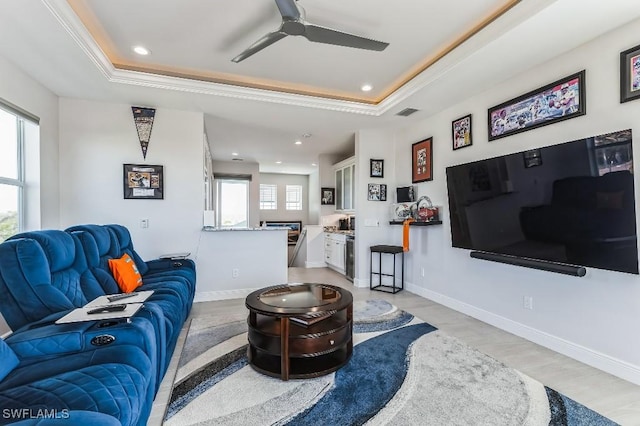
{"points": [[560, 268]]}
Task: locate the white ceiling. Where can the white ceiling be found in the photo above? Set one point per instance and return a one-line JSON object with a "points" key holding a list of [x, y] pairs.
{"points": [[259, 107]]}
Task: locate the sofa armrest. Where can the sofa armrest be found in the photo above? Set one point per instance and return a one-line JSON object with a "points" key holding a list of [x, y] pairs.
{"points": [[157, 265], [48, 339], [33, 344]]}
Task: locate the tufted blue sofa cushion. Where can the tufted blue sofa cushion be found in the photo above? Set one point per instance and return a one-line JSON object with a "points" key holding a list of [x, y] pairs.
{"points": [[123, 237], [113, 381], [33, 344], [66, 260], [183, 275], [167, 268], [26, 293], [8, 360]]}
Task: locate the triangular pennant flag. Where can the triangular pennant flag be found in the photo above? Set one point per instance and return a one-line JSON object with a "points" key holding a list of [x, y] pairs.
{"points": [[143, 118]]}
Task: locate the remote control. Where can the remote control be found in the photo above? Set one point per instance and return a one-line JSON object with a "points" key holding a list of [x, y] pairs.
{"points": [[121, 296], [107, 309]]}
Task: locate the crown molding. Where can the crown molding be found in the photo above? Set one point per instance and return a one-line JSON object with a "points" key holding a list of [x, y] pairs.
{"points": [[66, 16], [429, 75]]}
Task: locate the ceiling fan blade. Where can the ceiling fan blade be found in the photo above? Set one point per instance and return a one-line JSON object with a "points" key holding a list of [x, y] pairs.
{"points": [[288, 9], [264, 42], [320, 34]]}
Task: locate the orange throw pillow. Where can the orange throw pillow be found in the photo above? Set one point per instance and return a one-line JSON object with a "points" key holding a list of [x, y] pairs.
{"points": [[125, 273]]}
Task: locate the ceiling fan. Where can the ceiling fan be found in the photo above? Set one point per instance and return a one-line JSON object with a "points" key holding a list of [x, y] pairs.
{"points": [[294, 24]]}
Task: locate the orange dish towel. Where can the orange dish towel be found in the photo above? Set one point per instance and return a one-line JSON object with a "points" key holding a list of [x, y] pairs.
{"points": [[405, 234]]}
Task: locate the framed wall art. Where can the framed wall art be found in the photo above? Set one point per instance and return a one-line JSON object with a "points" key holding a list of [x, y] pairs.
{"points": [[143, 182], [422, 161], [630, 74], [532, 158], [561, 100], [377, 192], [376, 168], [461, 132], [327, 196]]}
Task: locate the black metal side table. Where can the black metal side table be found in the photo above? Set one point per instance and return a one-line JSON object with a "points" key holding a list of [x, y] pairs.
{"points": [[393, 250]]}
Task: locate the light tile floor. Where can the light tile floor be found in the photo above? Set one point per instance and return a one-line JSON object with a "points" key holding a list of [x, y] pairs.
{"points": [[613, 397]]}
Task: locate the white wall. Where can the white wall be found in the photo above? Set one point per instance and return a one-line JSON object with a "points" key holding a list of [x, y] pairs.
{"points": [[314, 198], [233, 263], [327, 179], [43, 208], [281, 181], [594, 319], [378, 144], [96, 139]]}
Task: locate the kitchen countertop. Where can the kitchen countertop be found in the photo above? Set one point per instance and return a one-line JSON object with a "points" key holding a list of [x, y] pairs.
{"points": [[260, 228], [350, 233]]}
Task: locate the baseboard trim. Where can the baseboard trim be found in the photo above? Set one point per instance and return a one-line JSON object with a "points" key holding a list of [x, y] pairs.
{"points": [[315, 264], [595, 359], [360, 283], [209, 296]]}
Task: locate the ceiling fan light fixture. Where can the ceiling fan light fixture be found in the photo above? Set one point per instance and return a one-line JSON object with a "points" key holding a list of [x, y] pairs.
{"points": [[294, 24], [141, 50]]}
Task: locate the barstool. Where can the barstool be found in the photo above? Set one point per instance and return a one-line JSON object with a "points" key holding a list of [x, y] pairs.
{"points": [[393, 250]]}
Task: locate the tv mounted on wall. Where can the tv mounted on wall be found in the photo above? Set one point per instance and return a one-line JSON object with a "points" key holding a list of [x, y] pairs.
{"points": [[569, 203]]}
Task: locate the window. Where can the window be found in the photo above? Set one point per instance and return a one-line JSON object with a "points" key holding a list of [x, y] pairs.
{"points": [[268, 197], [294, 197], [12, 132], [233, 203]]}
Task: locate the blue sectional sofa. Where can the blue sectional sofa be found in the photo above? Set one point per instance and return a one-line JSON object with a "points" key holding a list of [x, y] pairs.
{"points": [[66, 371]]}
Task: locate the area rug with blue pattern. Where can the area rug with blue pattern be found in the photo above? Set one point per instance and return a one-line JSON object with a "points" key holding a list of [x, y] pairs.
{"points": [[403, 371]]}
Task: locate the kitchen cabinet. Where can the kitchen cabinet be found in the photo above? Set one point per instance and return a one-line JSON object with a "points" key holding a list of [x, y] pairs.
{"points": [[334, 251], [345, 172]]}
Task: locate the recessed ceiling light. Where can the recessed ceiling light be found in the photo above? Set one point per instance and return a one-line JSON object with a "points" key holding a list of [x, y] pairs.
{"points": [[298, 142], [366, 87], [313, 164], [278, 162], [140, 50], [235, 154]]}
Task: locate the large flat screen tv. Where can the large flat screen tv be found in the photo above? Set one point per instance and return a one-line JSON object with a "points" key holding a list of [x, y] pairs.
{"points": [[570, 203]]}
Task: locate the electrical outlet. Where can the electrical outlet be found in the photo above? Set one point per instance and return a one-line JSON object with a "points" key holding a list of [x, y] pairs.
{"points": [[144, 223], [371, 222], [527, 302], [235, 272]]}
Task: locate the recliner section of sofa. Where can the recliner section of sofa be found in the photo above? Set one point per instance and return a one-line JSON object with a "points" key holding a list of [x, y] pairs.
{"points": [[171, 293], [46, 274], [64, 266], [112, 381], [115, 240]]}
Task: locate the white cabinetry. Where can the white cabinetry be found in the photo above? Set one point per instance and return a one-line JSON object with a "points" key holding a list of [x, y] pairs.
{"points": [[334, 251], [345, 184]]}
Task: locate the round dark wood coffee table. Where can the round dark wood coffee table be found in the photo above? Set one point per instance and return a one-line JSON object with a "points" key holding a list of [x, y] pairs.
{"points": [[299, 330]]}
